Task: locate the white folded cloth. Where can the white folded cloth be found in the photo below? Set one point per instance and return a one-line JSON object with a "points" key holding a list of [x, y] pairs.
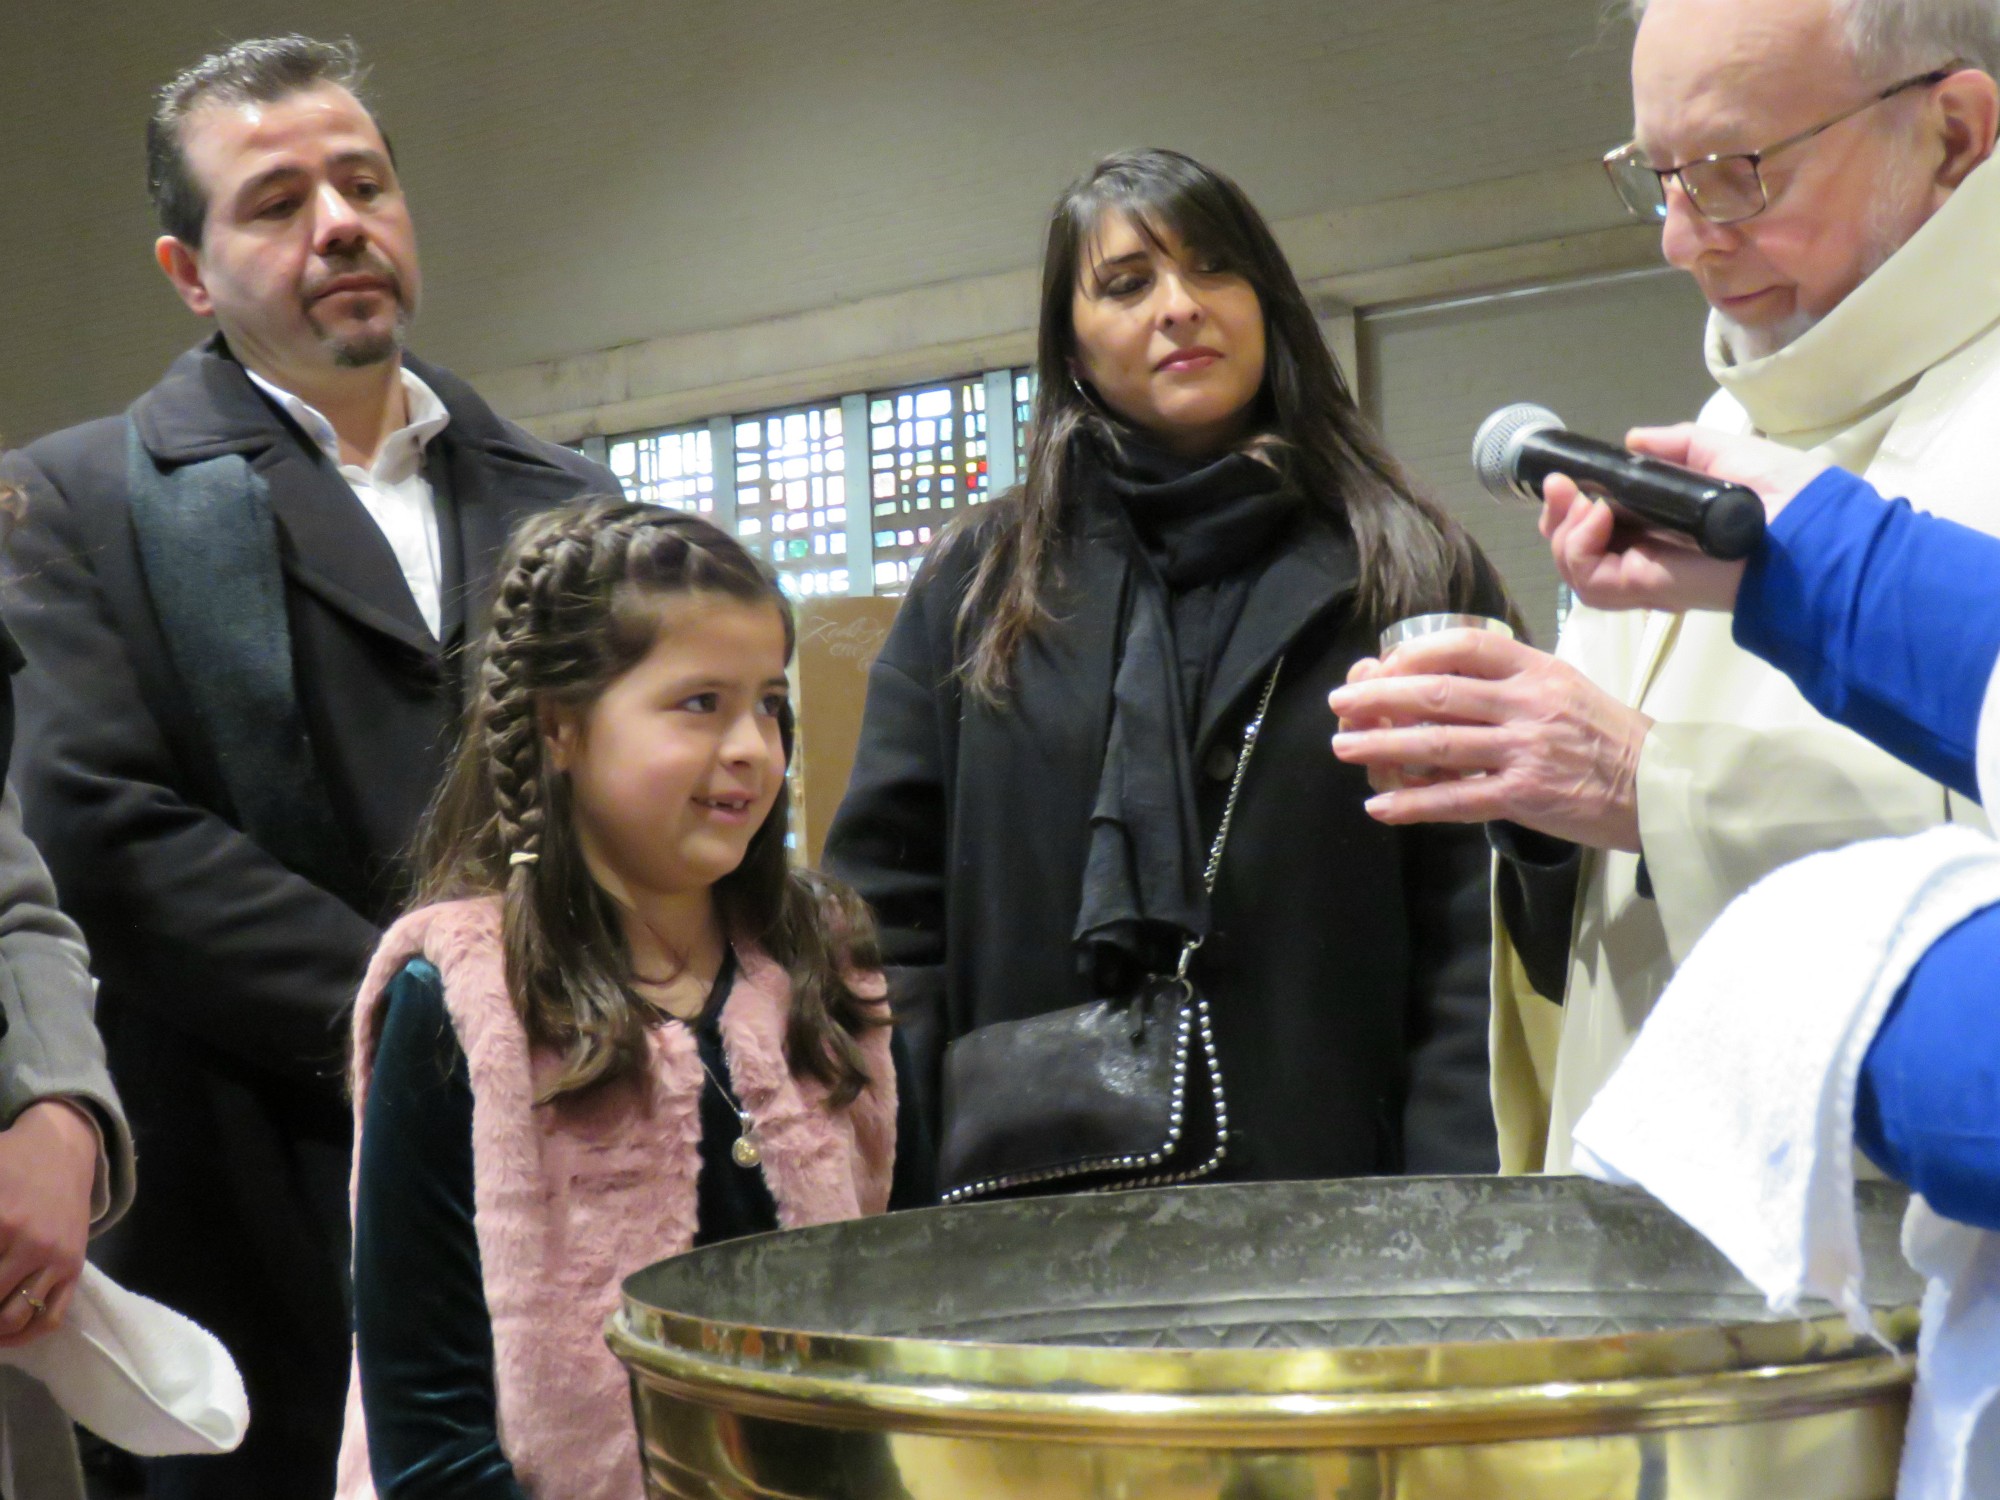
{"points": [[1735, 1108], [1952, 1447], [137, 1374]]}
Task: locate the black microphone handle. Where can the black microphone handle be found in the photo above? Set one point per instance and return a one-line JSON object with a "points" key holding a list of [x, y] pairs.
{"points": [[1725, 520]]}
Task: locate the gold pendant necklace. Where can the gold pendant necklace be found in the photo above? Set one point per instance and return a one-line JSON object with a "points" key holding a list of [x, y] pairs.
{"points": [[744, 1151]]}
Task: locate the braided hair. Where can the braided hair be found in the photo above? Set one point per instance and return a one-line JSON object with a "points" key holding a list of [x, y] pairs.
{"points": [[578, 605]]}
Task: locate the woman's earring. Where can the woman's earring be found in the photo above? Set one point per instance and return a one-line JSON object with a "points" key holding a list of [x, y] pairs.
{"points": [[1081, 389]]}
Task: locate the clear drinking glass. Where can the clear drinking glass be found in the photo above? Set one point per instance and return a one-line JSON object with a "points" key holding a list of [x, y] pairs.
{"points": [[1415, 628]]}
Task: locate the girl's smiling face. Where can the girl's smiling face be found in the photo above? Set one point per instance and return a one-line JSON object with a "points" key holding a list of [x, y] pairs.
{"points": [[677, 763]]}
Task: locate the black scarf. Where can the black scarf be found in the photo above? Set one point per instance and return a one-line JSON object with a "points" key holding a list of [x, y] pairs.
{"points": [[1199, 535]]}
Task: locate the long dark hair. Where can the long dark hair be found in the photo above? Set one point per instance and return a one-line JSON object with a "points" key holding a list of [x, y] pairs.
{"points": [[1414, 558], [578, 605]]}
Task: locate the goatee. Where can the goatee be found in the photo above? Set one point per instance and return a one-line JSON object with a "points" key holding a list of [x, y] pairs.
{"points": [[357, 351], [356, 348]]}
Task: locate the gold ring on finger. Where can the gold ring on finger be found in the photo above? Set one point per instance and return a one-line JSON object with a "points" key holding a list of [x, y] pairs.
{"points": [[31, 1299]]}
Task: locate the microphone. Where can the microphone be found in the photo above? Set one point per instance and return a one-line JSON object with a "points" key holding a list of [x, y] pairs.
{"points": [[1519, 446]]}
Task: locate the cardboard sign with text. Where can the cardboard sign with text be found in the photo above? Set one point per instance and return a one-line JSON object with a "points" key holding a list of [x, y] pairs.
{"points": [[838, 641]]}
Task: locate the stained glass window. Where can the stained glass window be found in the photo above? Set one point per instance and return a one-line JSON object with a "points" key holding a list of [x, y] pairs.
{"points": [[926, 463], [676, 468], [927, 460], [791, 496]]}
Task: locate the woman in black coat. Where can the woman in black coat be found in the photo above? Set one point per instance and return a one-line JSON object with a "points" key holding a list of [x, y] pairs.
{"points": [[1053, 725]]}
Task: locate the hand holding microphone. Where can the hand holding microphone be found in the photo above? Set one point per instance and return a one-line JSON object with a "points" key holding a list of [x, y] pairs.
{"points": [[1614, 517], [1509, 732], [1519, 447], [1608, 569]]}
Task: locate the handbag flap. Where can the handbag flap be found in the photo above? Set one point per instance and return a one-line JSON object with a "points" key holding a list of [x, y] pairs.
{"points": [[1097, 1095], [1093, 1085]]}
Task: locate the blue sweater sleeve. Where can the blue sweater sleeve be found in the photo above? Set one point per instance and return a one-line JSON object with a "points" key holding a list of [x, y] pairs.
{"points": [[1887, 619], [1928, 1107]]}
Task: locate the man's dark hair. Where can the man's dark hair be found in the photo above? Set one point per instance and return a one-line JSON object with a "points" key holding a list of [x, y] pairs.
{"points": [[259, 71]]}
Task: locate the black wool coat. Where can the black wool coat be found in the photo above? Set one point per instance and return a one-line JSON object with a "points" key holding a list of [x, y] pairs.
{"points": [[1347, 964], [227, 976]]}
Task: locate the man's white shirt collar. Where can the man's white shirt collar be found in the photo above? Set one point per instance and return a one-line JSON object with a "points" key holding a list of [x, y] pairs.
{"points": [[392, 489], [427, 418]]}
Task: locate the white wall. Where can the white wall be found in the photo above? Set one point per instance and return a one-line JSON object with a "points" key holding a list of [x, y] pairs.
{"points": [[1604, 353], [751, 198]]}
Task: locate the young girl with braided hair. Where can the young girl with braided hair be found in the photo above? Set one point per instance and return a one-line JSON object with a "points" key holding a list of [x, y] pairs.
{"points": [[617, 1025]]}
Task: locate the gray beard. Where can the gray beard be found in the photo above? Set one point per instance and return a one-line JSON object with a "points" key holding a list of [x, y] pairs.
{"points": [[1883, 237], [1746, 343]]}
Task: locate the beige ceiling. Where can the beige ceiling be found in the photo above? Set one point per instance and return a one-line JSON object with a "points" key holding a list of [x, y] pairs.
{"points": [[595, 172]]}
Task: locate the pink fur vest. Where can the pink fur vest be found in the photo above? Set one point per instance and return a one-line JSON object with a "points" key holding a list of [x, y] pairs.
{"points": [[570, 1198]]}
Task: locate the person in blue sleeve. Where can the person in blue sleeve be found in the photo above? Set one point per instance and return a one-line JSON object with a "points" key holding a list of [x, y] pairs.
{"points": [[1888, 621]]}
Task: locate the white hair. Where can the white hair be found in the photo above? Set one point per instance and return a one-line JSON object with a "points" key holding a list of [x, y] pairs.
{"points": [[1897, 36]]}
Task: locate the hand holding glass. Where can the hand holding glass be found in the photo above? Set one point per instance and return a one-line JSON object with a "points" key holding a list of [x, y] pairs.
{"points": [[1416, 627]]}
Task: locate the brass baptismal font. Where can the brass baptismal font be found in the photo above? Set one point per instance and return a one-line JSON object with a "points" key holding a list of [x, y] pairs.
{"points": [[1389, 1339]]}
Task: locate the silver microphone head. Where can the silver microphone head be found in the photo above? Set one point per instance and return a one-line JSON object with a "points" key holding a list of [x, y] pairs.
{"points": [[1496, 448]]}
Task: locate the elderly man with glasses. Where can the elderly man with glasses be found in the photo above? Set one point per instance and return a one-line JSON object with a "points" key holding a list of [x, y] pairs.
{"points": [[1821, 168]]}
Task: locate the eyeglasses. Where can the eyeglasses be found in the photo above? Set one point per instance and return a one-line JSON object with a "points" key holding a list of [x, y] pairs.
{"points": [[1727, 189]]}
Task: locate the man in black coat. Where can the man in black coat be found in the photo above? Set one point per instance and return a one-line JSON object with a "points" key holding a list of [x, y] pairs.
{"points": [[244, 606]]}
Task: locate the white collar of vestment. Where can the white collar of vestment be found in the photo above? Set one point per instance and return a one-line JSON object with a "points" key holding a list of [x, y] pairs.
{"points": [[1929, 299]]}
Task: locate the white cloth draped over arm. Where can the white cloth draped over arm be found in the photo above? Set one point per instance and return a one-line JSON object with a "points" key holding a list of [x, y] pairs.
{"points": [[1735, 1107]]}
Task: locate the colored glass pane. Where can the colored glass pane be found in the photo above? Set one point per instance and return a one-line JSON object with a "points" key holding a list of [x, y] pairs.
{"points": [[791, 471], [675, 467], [929, 461]]}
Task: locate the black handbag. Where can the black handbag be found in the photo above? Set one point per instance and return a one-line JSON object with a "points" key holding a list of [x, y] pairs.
{"points": [[1114, 1094]]}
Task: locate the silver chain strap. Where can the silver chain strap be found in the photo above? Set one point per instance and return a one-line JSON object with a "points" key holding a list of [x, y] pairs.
{"points": [[1250, 733]]}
